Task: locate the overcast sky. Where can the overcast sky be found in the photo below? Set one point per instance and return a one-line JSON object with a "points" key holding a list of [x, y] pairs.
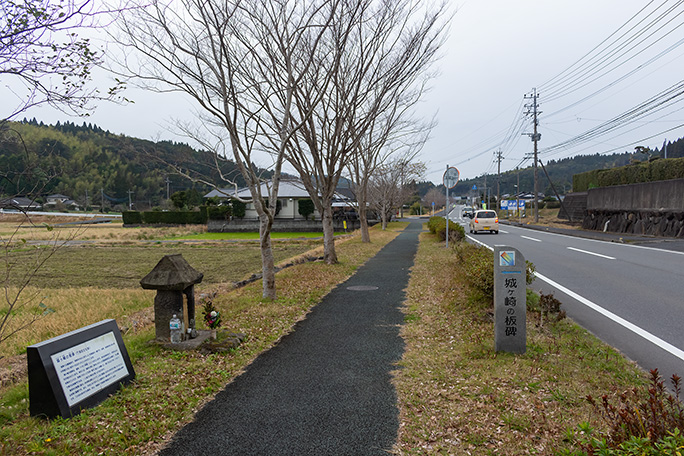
{"points": [[496, 53]]}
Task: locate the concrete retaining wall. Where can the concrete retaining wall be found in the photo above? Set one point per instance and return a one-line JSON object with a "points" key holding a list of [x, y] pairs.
{"points": [[575, 204], [663, 196], [651, 208]]}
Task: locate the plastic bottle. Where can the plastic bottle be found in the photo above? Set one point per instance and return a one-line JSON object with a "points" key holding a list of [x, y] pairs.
{"points": [[175, 329]]}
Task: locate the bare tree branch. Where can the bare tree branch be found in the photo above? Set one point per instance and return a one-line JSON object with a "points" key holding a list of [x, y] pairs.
{"points": [[242, 63], [376, 52]]}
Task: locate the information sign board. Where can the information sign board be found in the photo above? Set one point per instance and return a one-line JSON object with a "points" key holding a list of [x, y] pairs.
{"points": [[77, 370]]}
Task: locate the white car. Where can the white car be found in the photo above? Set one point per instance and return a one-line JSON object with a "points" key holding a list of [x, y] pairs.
{"points": [[484, 221]]}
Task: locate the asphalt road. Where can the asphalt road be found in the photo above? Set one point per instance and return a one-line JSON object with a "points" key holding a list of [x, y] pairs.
{"points": [[325, 389], [631, 296]]}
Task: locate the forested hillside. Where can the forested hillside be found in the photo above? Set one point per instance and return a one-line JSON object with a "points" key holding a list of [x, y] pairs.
{"points": [[90, 165], [561, 171]]}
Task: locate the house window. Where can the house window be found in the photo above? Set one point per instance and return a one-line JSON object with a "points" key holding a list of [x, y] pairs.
{"points": [[284, 203]]}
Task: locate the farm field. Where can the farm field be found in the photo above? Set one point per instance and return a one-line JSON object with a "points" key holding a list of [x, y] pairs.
{"points": [[170, 386], [92, 272]]}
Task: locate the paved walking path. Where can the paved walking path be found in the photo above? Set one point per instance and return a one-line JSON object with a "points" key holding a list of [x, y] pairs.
{"points": [[326, 388]]}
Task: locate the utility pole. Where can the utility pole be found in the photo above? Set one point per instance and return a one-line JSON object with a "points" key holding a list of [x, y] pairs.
{"points": [[168, 181], [130, 203], [484, 197], [535, 139], [517, 197], [499, 157]]}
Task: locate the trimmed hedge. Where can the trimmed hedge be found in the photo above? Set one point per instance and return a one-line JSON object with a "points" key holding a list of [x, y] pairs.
{"points": [[132, 217], [437, 225], [657, 170]]}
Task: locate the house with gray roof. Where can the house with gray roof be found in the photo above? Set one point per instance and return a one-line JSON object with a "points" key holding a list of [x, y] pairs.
{"points": [[289, 194]]}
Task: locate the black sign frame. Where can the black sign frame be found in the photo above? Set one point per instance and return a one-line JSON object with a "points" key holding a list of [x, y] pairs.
{"points": [[46, 392]]}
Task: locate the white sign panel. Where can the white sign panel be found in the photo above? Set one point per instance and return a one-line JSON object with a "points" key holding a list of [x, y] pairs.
{"points": [[87, 368]]}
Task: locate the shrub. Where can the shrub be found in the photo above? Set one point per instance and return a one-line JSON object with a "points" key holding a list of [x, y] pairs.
{"points": [[416, 208], [456, 232], [641, 418], [218, 212], [239, 208], [479, 270], [433, 222], [306, 207], [672, 168], [437, 225]]}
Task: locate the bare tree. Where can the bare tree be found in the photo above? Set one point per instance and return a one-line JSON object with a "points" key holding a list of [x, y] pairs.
{"points": [[241, 62], [43, 61], [435, 197], [387, 137], [386, 191], [374, 50], [20, 262]]}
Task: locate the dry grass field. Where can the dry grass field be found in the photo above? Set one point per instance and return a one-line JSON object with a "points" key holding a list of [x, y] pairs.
{"points": [[455, 394], [171, 386], [89, 273]]}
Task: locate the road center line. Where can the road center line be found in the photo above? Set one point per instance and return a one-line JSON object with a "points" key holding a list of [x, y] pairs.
{"points": [[617, 319], [591, 253], [530, 238]]}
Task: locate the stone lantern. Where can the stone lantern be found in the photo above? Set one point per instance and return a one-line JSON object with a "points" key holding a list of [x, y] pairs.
{"points": [[174, 279]]}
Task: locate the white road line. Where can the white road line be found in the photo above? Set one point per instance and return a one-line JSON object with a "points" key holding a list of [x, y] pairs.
{"points": [[619, 320], [592, 253], [504, 231], [530, 238], [612, 243]]}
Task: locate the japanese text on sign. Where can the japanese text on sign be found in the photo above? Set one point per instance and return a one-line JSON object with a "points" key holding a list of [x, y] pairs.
{"points": [[89, 367]]}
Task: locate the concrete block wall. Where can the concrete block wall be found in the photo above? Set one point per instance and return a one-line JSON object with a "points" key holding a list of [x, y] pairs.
{"points": [[651, 208]]}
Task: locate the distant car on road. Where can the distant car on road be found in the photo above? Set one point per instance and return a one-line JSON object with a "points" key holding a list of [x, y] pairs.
{"points": [[484, 221], [467, 212]]}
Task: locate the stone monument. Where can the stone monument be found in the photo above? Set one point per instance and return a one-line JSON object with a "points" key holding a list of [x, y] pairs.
{"points": [[510, 300], [174, 279]]}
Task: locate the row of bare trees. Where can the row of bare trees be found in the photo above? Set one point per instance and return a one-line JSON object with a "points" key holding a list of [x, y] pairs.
{"points": [[327, 86]]}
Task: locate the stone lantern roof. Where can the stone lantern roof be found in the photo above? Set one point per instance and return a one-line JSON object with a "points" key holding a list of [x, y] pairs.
{"points": [[171, 273]]}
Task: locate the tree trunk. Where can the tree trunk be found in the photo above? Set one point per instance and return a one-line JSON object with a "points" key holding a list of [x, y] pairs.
{"points": [[363, 219], [267, 261], [384, 218], [362, 197], [329, 254]]}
